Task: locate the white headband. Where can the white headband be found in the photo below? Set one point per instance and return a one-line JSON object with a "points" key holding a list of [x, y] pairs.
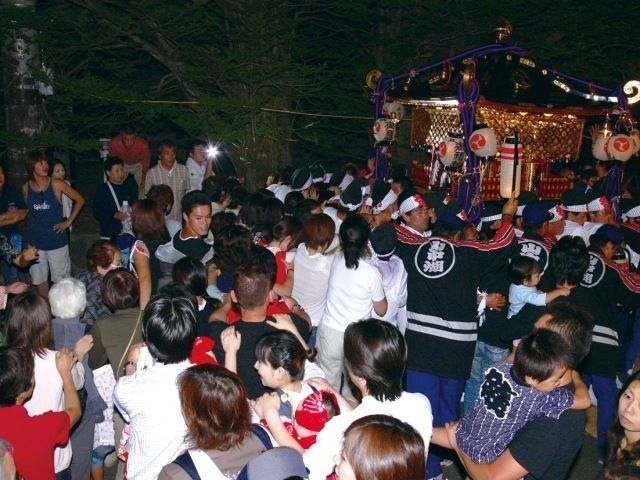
{"points": [[388, 199]]}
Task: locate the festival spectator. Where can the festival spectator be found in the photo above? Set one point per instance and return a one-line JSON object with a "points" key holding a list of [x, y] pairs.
{"points": [[163, 196], [252, 291], [68, 301], [444, 274], [311, 268], [192, 275], [12, 212], [28, 325], [574, 203], [196, 219], [59, 172], [545, 448], [158, 429], [133, 150], [218, 419], [46, 226], [280, 361], [394, 276], [171, 173], [113, 332], [231, 247], [381, 447], [102, 257], [355, 291], [109, 197], [34, 437], [198, 165], [623, 459], [150, 231], [374, 355]]}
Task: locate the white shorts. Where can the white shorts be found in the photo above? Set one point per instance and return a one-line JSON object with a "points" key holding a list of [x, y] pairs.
{"points": [[57, 261]]}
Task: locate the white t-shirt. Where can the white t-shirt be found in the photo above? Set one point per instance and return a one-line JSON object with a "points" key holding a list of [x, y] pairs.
{"points": [[351, 293], [48, 395], [311, 281], [394, 281], [413, 408]]}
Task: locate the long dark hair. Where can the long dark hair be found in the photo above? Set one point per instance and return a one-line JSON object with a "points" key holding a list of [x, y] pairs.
{"points": [[620, 459], [354, 235]]}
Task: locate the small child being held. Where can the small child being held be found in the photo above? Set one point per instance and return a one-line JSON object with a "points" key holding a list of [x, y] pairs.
{"points": [[524, 275], [513, 394]]}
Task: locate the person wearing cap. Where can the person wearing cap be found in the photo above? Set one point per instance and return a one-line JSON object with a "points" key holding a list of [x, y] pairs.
{"points": [[394, 276], [556, 223], [535, 242], [443, 275], [302, 181], [347, 203], [574, 204], [604, 286], [384, 202], [526, 197], [599, 212]]}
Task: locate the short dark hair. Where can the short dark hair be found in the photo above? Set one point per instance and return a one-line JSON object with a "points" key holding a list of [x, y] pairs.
{"points": [[522, 268], [282, 349], [120, 289], [318, 231], [574, 324], [251, 286], [192, 200], [598, 242], [540, 353], [110, 162], [16, 373], [262, 259], [376, 351], [28, 322], [215, 407], [169, 325], [568, 260], [191, 274]]}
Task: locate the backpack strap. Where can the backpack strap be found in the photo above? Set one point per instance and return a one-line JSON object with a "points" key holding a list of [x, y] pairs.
{"points": [[262, 434], [185, 462]]}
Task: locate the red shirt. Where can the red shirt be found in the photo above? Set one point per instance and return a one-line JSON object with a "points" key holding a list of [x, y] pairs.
{"points": [[34, 439], [233, 315], [138, 153]]}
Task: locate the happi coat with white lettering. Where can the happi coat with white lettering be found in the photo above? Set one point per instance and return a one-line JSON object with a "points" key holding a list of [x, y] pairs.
{"points": [[443, 276]]}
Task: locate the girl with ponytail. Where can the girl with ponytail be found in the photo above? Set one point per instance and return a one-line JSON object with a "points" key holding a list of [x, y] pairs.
{"points": [[355, 292]]}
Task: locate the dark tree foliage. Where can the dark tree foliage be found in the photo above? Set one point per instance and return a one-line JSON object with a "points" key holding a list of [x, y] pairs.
{"points": [[282, 81]]}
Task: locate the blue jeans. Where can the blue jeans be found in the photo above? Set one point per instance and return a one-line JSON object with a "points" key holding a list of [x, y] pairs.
{"points": [[484, 356], [606, 392], [444, 395]]}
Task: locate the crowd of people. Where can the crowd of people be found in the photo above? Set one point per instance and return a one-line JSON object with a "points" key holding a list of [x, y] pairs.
{"points": [[323, 326]]}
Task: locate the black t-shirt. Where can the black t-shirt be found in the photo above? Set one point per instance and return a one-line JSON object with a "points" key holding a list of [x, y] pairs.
{"points": [[246, 359], [193, 247], [546, 447]]}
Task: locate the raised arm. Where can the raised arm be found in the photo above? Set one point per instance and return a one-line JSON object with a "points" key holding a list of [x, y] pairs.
{"points": [[64, 363]]}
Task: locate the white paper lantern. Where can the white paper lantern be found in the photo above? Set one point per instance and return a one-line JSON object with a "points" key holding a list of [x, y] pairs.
{"points": [[384, 130], [483, 142], [451, 152], [620, 147], [599, 147], [507, 161]]}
